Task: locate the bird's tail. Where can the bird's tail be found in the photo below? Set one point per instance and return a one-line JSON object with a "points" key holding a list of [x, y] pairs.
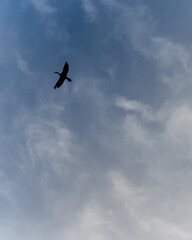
{"points": [[55, 86], [69, 79]]}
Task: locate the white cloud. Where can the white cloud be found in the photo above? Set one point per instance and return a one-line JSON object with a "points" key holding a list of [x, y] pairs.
{"points": [[135, 106], [174, 122], [154, 206], [43, 6], [135, 202], [175, 61], [47, 143], [21, 63], [136, 26], [90, 10]]}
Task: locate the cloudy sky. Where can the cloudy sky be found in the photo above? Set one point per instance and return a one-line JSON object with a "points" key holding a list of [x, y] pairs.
{"points": [[109, 155]]}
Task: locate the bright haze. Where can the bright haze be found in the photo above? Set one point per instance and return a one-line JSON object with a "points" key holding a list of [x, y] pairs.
{"points": [[107, 156]]}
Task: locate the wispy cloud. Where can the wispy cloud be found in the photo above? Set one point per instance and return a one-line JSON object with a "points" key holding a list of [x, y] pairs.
{"points": [[135, 106], [90, 10], [22, 64], [135, 25], [43, 6], [175, 61], [135, 204]]}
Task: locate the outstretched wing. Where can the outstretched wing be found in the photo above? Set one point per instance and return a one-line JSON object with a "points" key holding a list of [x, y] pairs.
{"points": [[65, 69]]}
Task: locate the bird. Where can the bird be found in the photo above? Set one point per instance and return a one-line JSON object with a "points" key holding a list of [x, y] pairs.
{"points": [[62, 76]]}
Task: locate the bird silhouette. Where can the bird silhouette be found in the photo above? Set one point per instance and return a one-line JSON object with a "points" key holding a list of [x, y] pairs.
{"points": [[62, 76]]}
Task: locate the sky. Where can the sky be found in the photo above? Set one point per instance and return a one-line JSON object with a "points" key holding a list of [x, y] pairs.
{"points": [[108, 155]]}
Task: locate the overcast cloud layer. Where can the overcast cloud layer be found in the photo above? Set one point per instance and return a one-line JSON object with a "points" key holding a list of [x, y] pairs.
{"points": [[107, 156]]}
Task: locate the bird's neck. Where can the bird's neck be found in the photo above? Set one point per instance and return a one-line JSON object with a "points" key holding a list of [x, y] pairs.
{"points": [[58, 73]]}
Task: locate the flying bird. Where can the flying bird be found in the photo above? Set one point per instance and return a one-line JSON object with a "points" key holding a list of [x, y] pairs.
{"points": [[63, 76]]}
